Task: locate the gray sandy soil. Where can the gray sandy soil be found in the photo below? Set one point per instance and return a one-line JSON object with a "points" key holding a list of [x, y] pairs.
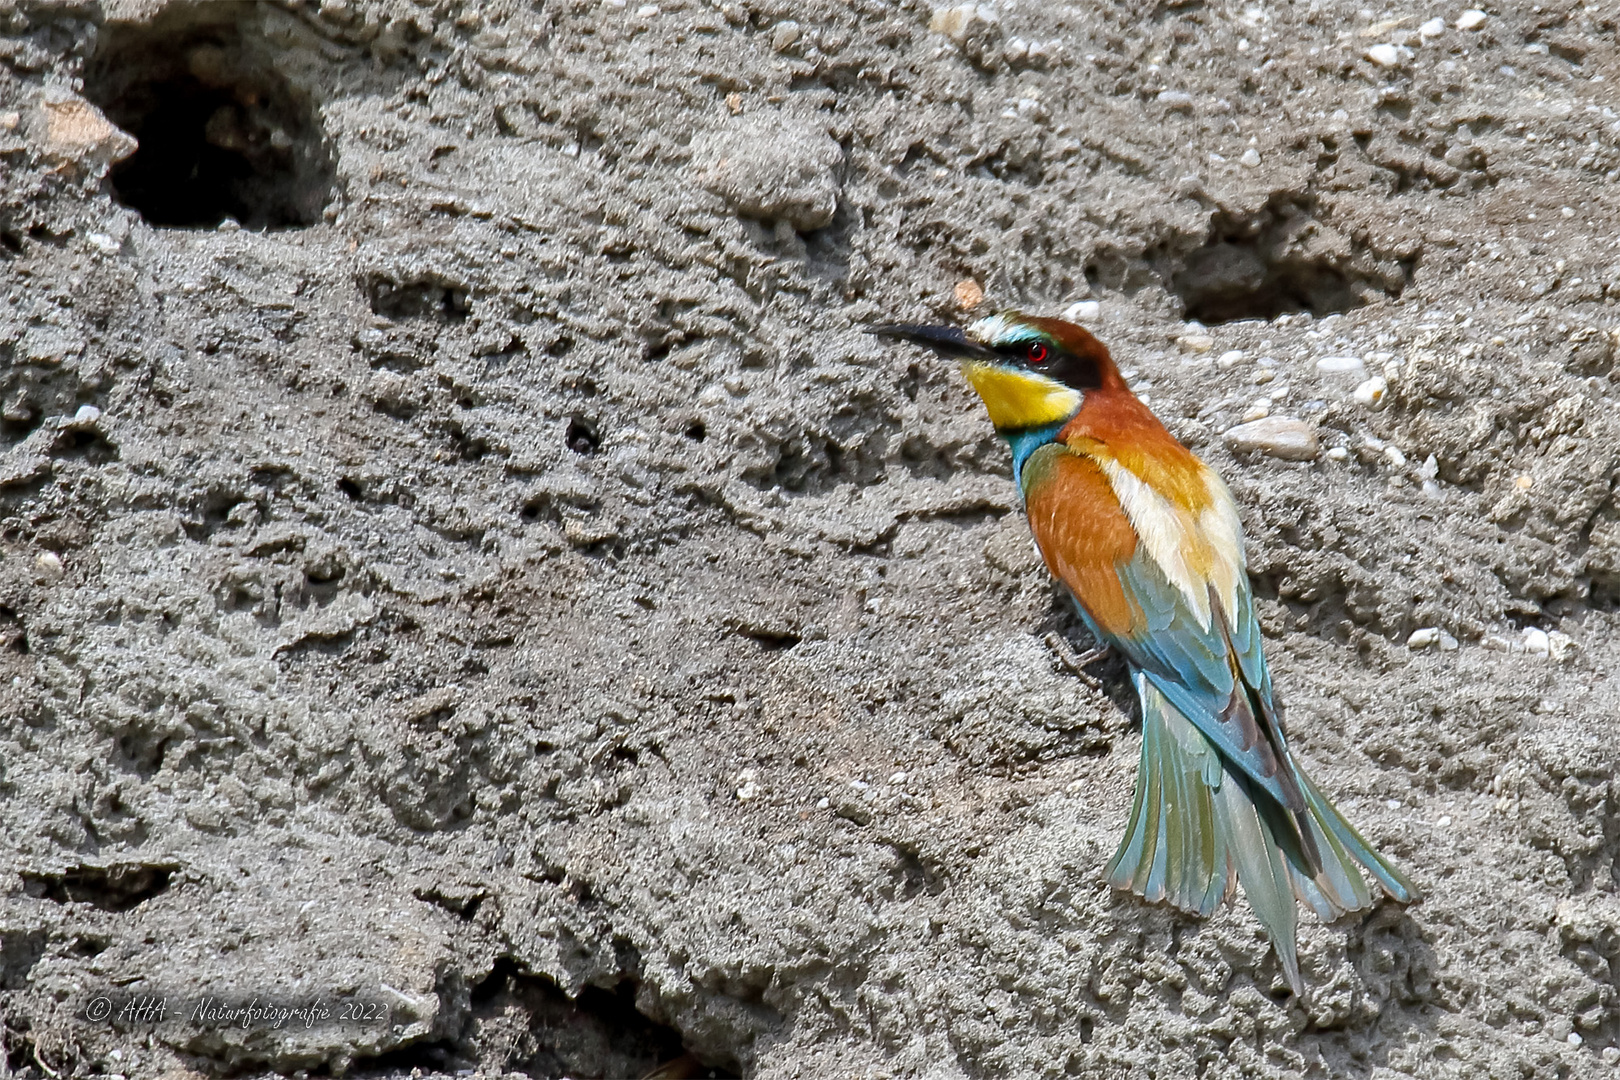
{"points": [[460, 554]]}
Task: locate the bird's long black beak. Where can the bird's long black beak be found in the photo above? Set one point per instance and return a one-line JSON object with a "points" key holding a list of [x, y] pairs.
{"points": [[945, 340]]}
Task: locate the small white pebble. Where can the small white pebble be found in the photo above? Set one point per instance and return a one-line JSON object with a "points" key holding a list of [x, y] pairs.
{"points": [[1257, 411], [1393, 804], [1250, 158], [86, 415], [1338, 365], [1198, 343], [957, 22], [859, 785], [1559, 644], [1083, 311], [1384, 55], [1393, 455], [1433, 28], [1371, 392], [786, 35], [48, 567], [1472, 19], [1535, 641], [1338, 453], [1175, 99], [1611, 1055], [1567, 211], [823, 803], [898, 778], [1229, 359], [1279, 436], [1447, 642], [1444, 821], [1574, 1038], [646, 11], [1422, 639]]}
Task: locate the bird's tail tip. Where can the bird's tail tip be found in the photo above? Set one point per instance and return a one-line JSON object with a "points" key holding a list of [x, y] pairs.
{"points": [[1197, 826]]}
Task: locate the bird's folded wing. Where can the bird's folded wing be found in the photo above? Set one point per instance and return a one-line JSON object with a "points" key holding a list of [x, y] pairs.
{"points": [[1209, 667]]}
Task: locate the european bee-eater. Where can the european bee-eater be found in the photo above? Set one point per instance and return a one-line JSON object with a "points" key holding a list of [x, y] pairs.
{"points": [[1147, 539]]}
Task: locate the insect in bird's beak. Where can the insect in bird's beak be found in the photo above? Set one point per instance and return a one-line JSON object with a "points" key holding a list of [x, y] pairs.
{"points": [[948, 341]]}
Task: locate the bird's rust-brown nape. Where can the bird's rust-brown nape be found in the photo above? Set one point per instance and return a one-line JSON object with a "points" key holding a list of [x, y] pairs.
{"points": [[1127, 431]]}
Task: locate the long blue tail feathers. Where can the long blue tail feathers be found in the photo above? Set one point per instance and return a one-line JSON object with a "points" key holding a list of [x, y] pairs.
{"points": [[1199, 826]]}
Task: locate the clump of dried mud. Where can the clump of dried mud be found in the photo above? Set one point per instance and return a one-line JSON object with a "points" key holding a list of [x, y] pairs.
{"points": [[458, 550]]}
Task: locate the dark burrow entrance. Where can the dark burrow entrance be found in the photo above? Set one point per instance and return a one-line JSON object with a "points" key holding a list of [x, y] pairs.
{"points": [[222, 132], [524, 1023], [1279, 261], [1285, 258]]}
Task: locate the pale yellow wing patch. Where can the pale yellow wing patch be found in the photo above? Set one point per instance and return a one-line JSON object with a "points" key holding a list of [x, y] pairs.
{"points": [[1222, 531], [1194, 550]]}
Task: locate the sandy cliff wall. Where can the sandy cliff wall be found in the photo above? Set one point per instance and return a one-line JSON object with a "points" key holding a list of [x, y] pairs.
{"points": [[458, 550]]}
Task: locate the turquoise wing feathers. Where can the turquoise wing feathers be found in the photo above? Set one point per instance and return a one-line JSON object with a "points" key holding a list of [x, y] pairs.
{"points": [[1224, 692]]}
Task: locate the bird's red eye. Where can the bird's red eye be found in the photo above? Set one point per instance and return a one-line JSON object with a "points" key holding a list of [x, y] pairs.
{"points": [[1037, 354]]}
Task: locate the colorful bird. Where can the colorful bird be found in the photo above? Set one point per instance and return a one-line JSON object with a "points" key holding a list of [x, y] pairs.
{"points": [[1147, 539]]}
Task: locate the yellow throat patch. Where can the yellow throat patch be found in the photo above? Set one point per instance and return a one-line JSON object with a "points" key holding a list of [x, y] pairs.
{"points": [[1021, 399]]}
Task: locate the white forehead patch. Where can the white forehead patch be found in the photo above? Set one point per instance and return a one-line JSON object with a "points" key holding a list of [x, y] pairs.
{"points": [[998, 330]]}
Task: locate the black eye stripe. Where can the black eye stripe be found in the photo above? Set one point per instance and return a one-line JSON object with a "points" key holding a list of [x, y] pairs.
{"points": [[1022, 350], [1078, 372]]}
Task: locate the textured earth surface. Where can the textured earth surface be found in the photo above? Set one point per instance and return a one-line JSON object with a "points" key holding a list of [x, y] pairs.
{"points": [[462, 562]]}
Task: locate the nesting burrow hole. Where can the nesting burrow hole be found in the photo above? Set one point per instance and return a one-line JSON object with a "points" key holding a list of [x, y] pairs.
{"points": [[544, 1033], [223, 132], [1281, 260]]}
